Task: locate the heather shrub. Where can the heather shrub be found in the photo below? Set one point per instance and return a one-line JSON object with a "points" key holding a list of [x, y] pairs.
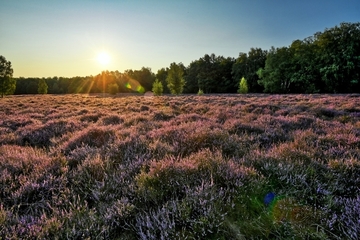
{"points": [[162, 116], [92, 136], [170, 176], [24, 227], [188, 117], [79, 154], [201, 109], [184, 167], [191, 195], [344, 175], [34, 195], [18, 122], [19, 160], [327, 113], [7, 136], [240, 128], [127, 150], [135, 119], [85, 178], [144, 108], [189, 137], [78, 221], [90, 117], [272, 137], [160, 149], [41, 135], [202, 138], [197, 216], [3, 214], [344, 217], [111, 120]]}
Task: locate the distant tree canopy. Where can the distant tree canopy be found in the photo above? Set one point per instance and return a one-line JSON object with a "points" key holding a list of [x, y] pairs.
{"points": [[7, 83], [127, 82], [211, 74], [327, 62]]}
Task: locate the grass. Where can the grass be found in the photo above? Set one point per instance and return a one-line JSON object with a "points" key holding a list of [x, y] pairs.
{"points": [[183, 167]]}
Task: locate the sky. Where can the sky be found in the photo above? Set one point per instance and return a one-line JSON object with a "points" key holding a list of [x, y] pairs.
{"points": [[64, 38]]}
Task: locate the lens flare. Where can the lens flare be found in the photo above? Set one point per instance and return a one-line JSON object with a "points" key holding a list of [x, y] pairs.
{"points": [[135, 86]]}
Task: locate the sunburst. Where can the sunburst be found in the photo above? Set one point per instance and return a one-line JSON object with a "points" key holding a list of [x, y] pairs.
{"points": [[103, 58]]}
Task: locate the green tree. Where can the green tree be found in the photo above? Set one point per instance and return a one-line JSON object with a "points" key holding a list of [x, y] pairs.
{"points": [[144, 78], [157, 88], [161, 76], [113, 88], [208, 76], [327, 62], [42, 86], [304, 76], [276, 76], [210, 73], [243, 86], [7, 83], [339, 57], [191, 78], [174, 79]]}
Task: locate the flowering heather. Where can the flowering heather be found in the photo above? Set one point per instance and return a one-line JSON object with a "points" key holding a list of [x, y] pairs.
{"points": [[180, 167]]}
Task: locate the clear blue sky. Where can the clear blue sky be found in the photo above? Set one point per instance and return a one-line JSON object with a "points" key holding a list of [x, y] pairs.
{"points": [[46, 38]]}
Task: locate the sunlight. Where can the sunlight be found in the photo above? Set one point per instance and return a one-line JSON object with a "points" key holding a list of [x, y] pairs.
{"points": [[103, 58]]}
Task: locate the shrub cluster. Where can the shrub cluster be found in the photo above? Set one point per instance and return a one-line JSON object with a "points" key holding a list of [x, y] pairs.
{"points": [[184, 167]]}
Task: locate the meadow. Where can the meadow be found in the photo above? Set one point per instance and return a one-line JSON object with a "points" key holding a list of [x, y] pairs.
{"points": [[180, 167]]}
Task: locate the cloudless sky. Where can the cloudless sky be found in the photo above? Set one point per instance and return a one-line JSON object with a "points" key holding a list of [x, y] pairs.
{"points": [[46, 38]]}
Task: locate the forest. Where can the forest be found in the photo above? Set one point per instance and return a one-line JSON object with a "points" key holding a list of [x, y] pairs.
{"points": [[327, 62]]}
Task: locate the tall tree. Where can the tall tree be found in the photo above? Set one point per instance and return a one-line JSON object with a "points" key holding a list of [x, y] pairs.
{"points": [[7, 83], [212, 74], [256, 60], [247, 65], [304, 76], [144, 78], [191, 77], [161, 76], [174, 79], [42, 86], [276, 75], [339, 57]]}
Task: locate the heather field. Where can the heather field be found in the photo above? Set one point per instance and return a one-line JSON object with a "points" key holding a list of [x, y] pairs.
{"points": [[180, 167]]}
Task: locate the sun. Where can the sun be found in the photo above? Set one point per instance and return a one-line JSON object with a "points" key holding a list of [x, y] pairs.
{"points": [[103, 58]]}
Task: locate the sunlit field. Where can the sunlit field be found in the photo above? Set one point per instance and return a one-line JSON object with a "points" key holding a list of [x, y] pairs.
{"points": [[180, 167]]}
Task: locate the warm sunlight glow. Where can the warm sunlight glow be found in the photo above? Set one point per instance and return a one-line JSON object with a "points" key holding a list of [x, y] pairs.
{"points": [[103, 58]]}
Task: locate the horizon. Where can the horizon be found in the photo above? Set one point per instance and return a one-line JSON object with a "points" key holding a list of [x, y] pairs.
{"points": [[83, 38]]}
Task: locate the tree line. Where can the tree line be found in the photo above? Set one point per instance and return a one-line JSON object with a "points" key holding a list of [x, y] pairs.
{"points": [[327, 62]]}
